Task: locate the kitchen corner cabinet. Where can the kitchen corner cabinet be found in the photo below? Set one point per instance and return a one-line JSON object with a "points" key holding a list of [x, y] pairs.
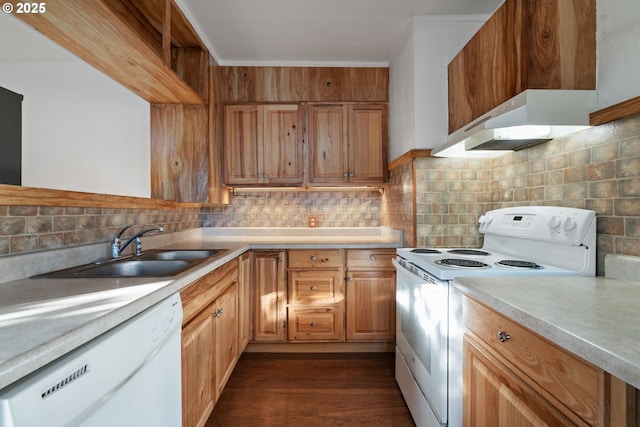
{"points": [[347, 143], [263, 144], [268, 296], [209, 341], [316, 296], [370, 295], [525, 44], [513, 377]]}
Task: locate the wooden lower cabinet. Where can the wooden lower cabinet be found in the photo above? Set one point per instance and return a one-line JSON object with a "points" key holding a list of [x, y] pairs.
{"points": [[370, 295], [225, 331], [269, 293], [513, 377], [495, 397], [316, 296], [197, 369], [209, 341]]}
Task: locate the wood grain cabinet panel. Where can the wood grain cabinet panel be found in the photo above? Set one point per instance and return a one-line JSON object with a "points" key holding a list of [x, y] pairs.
{"points": [[316, 295], [244, 301], [370, 295], [263, 145], [525, 44], [527, 373], [226, 336], [347, 143], [198, 368], [269, 293]]}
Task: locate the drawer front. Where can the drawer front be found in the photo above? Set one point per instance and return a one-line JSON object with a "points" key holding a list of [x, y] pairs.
{"points": [[315, 287], [550, 370], [326, 258], [316, 324], [370, 259]]}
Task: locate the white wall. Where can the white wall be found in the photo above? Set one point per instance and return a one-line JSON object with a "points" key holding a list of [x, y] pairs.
{"points": [[418, 113], [82, 131], [618, 52]]}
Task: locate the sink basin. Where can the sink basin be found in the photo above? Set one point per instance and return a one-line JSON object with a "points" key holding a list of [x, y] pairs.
{"points": [[156, 263], [181, 254], [124, 268], [136, 268]]}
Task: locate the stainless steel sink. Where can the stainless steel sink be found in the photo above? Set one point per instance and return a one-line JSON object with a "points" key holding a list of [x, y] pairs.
{"points": [[157, 263], [181, 254]]}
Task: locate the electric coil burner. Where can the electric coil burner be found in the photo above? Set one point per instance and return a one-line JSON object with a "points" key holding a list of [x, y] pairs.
{"points": [[518, 263], [468, 252], [464, 263], [527, 241]]}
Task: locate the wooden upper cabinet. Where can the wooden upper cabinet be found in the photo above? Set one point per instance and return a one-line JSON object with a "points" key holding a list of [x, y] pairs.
{"points": [[262, 145], [526, 44], [347, 143]]}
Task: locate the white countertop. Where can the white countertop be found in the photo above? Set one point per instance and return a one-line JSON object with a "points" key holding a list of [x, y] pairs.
{"points": [[42, 319], [596, 318]]}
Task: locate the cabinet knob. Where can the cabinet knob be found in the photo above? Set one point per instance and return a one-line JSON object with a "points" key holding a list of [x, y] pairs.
{"points": [[265, 175], [351, 175], [349, 279], [503, 336], [314, 258], [218, 313], [346, 175], [314, 288], [314, 324], [372, 257], [280, 260]]}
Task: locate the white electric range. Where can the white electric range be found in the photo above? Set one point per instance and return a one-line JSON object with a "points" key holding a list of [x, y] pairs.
{"points": [[522, 241]]}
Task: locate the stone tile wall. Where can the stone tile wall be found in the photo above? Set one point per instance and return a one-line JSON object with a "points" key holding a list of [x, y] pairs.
{"points": [[398, 204], [35, 228]]}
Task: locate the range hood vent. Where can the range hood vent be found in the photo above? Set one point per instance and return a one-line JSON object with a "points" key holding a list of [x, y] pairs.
{"points": [[531, 117]]}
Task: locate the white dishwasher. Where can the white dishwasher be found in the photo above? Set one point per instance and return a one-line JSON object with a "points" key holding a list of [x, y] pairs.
{"points": [[129, 376]]}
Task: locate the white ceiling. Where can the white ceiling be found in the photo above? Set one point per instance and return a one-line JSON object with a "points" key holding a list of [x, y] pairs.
{"points": [[313, 32]]}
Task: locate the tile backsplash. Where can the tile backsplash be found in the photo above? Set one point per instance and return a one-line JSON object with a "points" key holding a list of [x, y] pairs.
{"points": [[597, 169], [293, 209]]}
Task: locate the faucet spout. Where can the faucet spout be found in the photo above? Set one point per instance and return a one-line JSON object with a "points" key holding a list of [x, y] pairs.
{"points": [[117, 246]]}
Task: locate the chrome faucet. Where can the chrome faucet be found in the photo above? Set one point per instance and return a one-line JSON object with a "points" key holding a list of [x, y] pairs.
{"points": [[117, 247]]}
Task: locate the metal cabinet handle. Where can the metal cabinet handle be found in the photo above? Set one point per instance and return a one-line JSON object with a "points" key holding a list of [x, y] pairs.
{"points": [[314, 324], [349, 279], [314, 258], [314, 288], [372, 257], [218, 313], [345, 175], [503, 336], [351, 175]]}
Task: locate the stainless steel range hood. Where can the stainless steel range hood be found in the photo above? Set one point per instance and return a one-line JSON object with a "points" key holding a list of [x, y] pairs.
{"points": [[531, 117]]}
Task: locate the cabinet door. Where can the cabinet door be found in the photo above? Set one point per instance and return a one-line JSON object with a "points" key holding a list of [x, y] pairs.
{"points": [[495, 397], [244, 301], [242, 142], [367, 143], [328, 157], [269, 294], [226, 336], [371, 306], [282, 149], [197, 370]]}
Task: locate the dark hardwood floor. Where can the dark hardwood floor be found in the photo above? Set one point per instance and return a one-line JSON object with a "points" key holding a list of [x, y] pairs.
{"points": [[308, 390]]}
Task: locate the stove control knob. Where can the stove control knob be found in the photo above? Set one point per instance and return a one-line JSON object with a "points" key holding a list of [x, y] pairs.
{"points": [[481, 219], [570, 224], [554, 222]]}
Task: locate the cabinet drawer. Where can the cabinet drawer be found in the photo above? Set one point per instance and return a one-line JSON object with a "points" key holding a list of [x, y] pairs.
{"points": [[316, 324], [315, 287], [370, 259], [325, 258], [549, 369]]}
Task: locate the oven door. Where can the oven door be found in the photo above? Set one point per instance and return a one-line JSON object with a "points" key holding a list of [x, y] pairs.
{"points": [[421, 335]]}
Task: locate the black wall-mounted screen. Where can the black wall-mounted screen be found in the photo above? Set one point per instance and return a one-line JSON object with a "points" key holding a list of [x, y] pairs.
{"points": [[10, 137]]}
